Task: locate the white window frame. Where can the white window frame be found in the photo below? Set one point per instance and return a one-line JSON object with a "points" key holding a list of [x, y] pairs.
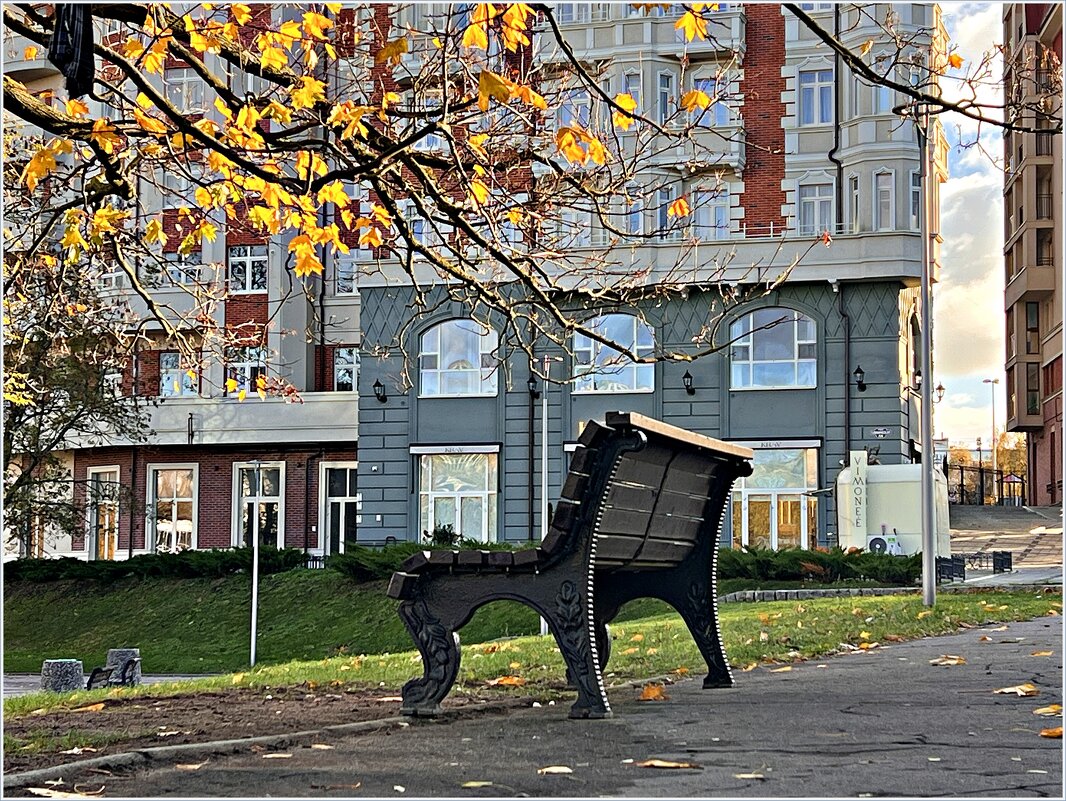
{"points": [[490, 497], [711, 215], [881, 224], [184, 89], [585, 380], [235, 534], [353, 366], [916, 200], [629, 78], [346, 271], [574, 228], [91, 544], [884, 98], [574, 107], [599, 12], [821, 113], [323, 504], [747, 341], [634, 211], [741, 492], [668, 226], [250, 363], [150, 543], [665, 95], [488, 343], [818, 202], [719, 114], [854, 206], [183, 269], [248, 259], [423, 103], [168, 376], [855, 95], [571, 13]]}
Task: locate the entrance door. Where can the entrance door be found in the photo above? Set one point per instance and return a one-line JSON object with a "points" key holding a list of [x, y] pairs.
{"points": [[343, 506], [103, 522]]}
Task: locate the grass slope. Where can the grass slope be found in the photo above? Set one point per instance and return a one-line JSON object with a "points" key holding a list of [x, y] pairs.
{"points": [[202, 625]]}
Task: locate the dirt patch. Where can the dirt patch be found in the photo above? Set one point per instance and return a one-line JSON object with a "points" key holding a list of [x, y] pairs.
{"points": [[129, 724]]}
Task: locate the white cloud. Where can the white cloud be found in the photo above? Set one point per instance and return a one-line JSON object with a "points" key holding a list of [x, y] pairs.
{"points": [[974, 29]]}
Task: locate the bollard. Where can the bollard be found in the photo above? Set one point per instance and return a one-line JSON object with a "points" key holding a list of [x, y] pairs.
{"points": [[116, 658], [62, 675]]}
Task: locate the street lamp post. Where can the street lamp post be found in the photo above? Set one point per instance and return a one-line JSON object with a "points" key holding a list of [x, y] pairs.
{"points": [[995, 474]]}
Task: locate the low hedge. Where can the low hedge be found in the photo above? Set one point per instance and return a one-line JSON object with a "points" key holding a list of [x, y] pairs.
{"points": [[822, 566], [367, 564], [186, 564]]}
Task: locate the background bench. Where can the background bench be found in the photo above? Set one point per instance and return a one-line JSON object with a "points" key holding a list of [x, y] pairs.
{"points": [[639, 516]]}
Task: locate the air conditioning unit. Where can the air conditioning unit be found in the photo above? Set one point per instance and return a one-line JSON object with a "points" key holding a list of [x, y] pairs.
{"points": [[884, 543]]}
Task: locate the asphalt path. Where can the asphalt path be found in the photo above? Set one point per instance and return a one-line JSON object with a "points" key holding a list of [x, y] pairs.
{"points": [[882, 723]]}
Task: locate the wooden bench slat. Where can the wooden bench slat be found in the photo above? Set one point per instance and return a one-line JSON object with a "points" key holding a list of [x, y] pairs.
{"points": [[617, 546], [624, 521], [501, 559], [616, 419], [415, 562], [574, 487], [401, 585], [674, 526], [529, 557], [471, 558]]}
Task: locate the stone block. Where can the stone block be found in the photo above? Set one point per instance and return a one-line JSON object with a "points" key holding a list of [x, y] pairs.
{"points": [[62, 675], [116, 658]]}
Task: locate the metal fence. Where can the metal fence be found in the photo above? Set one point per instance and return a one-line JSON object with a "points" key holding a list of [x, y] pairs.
{"points": [[953, 568], [979, 486]]}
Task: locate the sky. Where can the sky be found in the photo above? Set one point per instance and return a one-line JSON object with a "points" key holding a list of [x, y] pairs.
{"points": [[968, 318]]}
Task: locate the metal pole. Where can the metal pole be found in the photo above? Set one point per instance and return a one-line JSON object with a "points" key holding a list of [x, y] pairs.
{"points": [[995, 473], [255, 589], [928, 498], [544, 452]]}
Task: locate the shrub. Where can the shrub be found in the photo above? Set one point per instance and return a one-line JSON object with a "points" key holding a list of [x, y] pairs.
{"points": [[794, 564], [368, 564]]}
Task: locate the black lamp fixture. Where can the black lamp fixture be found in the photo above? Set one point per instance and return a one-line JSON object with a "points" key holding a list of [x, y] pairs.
{"points": [[686, 379], [918, 380], [939, 390], [379, 391], [531, 385], [859, 376]]}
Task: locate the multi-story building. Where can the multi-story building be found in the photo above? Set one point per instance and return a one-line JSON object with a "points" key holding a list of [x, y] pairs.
{"points": [[449, 433], [803, 148], [1032, 251]]}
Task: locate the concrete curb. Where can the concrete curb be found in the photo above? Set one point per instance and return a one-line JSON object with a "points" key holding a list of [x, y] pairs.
{"points": [[750, 596]]}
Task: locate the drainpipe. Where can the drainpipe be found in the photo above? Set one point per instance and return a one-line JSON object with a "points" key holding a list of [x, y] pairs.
{"points": [[838, 288], [836, 127], [529, 471]]}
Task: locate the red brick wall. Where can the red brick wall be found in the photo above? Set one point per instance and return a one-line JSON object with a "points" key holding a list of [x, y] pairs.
{"points": [[214, 491], [763, 112], [148, 373]]}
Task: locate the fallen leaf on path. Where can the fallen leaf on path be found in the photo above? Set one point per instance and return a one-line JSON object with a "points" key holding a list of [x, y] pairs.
{"points": [[508, 681], [665, 763], [984, 638], [1053, 709], [321, 747], [76, 750], [476, 784], [1055, 733], [1023, 690], [48, 792], [748, 776], [933, 759], [90, 708], [1052, 613], [681, 671], [390, 699], [998, 628], [653, 692], [191, 765], [864, 635], [399, 788], [784, 669], [750, 667], [554, 769], [1041, 653], [894, 638], [867, 646], [277, 756], [948, 660]]}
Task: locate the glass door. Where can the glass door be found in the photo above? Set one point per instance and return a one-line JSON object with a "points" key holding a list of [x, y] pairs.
{"points": [[103, 484]]}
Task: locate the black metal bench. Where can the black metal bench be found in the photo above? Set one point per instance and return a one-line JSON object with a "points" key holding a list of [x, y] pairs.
{"points": [[639, 516], [105, 676]]}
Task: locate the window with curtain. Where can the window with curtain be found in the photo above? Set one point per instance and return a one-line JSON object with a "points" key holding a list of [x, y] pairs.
{"points": [[458, 357]]}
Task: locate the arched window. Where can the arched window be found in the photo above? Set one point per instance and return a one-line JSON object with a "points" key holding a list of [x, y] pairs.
{"points": [[601, 368], [458, 357], [773, 349]]}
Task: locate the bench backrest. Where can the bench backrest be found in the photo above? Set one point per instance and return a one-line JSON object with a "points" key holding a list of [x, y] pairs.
{"points": [[642, 494]]}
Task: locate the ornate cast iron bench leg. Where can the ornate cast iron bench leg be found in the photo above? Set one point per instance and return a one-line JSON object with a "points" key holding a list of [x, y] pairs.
{"points": [[439, 647], [694, 600], [572, 627]]}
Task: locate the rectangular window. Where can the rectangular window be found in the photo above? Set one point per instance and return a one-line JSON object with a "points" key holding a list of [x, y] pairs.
{"points": [[173, 507], [884, 202], [1032, 327], [710, 215], [633, 210], [458, 491], [260, 505], [183, 269], [853, 193], [345, 369], [666, 96], [174, 379], [346, 270], [575, 228], [631, 85], [600, 12], [102, 500], [343, 505], [245, 366], [884, 99], [1032, 388], [815, 97], [815, 208], [1012, 337], [248, 268], [184, 89], [424, 106], [569, 13], [773, 348], [1012, 394], [668, 226], [719, 113], [573, 109], [854, 96], [916, 200]]}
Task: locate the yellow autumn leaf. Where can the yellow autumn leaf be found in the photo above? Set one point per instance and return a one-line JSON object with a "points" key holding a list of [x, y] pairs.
{"points": [[479, 191], [153, 233], [507, 681], [316, 25], [696, 99], [38, 167], [637, 638], [30, 53], [1025, 690], [273, 58], [231, 384], [335, 193], [241, 13], [955, 60], [865, 48], [1041, 653], [948, 660], [784, 669], [750, 667], [309, 92], [1048, 711], [381, 214], [1055, 733], [105, 135], [391, 52], [371, 237], [624, 119], [242, 395], [925, 613], [75, 108], [475, 36], [693, 26], [90, 708], [865, 635], [569, 144], [665, 763], [679, 208], [529, 97], [149, 123], [653, 692], [490, 85], [155, 59], [204, 198]]}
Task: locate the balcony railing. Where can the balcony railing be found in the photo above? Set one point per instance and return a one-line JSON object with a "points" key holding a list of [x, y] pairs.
{"points": [[1045, 260], [1043, 207]]}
